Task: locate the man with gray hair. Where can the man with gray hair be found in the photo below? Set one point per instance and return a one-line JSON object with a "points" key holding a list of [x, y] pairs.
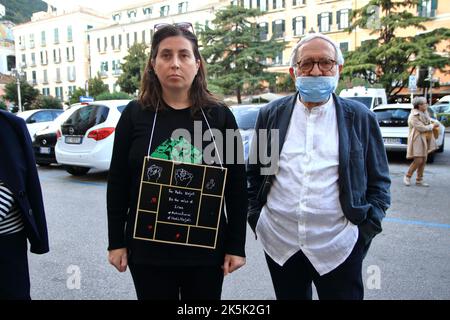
{"points": [[316, 216]]}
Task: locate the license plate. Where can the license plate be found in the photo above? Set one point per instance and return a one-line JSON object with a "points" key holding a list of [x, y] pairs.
{"points": [[73, 140], [392, 140], [44, 150]]}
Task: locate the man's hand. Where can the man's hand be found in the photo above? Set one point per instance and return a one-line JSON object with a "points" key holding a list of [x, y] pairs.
{"points": [[119, 259], [232, 263]]}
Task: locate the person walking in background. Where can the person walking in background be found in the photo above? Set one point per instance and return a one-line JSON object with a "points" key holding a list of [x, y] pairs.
{"points": [[22, 213], [316, 216], [421, 140], [173, 96]]}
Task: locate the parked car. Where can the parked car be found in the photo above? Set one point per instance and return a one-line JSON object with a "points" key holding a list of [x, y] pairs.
{"points": [[45, 139], [39, 119], [87, 137], [393, 121], [246, 116]]}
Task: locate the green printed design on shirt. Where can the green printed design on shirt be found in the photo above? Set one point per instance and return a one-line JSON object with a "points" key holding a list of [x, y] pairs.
{"points": [[178, 150]]}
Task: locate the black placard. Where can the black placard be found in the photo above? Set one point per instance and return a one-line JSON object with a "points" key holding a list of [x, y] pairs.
{"points": [[179, 203]]}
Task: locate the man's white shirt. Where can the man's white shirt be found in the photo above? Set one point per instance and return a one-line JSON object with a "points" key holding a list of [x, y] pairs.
{"points": [[303, 211]]}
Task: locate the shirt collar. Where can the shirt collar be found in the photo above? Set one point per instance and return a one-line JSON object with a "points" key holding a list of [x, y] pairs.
{"points": [[316, 110]]}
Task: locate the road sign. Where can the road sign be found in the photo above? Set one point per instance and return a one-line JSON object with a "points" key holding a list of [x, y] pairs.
{"points": [[412, 84], [86, 99]]}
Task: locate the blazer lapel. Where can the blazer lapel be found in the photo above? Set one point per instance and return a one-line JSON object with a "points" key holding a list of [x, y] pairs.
{"points": [[345, 123]]}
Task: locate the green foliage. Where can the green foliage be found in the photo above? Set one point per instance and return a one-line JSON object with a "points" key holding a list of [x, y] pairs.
{"points": [[28, 93], [444, 118], [76, 94], [113, 96], [3, 105], [235, 54], [285, 84], [133, 67], [96, 86], [391, 59], [46, 102], [20, 11]]}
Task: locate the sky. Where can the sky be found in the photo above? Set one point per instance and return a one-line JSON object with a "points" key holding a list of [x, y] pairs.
{"points": [[99, 5]]}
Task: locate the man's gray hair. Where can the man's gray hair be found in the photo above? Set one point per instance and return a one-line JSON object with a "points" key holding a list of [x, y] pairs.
{"points": [[417, 101], [311, 36]]}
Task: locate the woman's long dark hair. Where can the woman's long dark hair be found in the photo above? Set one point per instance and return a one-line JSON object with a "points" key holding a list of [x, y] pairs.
{"points": [[151, 91]]}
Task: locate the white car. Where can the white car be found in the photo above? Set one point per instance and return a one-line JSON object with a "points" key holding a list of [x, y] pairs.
{"points": [[87, 137], [246, 115], [393, 121], [39, 119]]}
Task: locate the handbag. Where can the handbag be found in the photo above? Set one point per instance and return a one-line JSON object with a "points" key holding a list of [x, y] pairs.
{"points": [[436, 131]]}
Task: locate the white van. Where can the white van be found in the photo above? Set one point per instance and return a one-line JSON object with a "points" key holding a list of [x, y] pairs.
{"points": [[370, 97]]}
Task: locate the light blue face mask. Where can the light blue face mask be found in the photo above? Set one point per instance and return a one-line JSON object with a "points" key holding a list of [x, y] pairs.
{"points": [[316, 89]]}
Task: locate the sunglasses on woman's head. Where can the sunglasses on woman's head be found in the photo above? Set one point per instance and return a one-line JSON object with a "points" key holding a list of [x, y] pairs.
{"points": [[185, 26]]}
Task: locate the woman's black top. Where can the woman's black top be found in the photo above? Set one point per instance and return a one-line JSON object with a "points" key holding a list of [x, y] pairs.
{"points": [[131, 145]]}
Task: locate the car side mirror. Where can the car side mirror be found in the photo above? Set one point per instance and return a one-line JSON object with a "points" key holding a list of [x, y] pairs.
{"points": [[30, 121]]}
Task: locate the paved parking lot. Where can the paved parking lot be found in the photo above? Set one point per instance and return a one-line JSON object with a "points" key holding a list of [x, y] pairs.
{"points": [[410, 259]]}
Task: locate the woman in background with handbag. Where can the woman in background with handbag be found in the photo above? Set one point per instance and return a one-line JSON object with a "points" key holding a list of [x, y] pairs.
{"points": [[421, 140]]}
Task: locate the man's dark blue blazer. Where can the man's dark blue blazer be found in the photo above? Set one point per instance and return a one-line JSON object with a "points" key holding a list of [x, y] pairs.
{"points": [[18, 172]]}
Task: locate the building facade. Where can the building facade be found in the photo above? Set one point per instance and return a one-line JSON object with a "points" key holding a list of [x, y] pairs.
{"points": [[52, 49]]}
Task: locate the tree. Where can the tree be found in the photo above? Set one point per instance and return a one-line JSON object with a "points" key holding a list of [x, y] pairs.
{"points": [[96, 86], [133, 67], [76, 94], [390, 59], [27, 93], [46, 102], [235, 53], [3, 105]]}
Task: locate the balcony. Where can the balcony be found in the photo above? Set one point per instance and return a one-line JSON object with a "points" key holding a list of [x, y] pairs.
{"points": [[103, 74], [58, 80], [71, 79], [45, 81], [116, 73], [21, 46]]}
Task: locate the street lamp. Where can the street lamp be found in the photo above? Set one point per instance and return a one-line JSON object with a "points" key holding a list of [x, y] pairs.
{"points": [[18, 73]]}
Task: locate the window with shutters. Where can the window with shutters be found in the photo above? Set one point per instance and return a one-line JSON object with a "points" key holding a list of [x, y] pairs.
{"points": [[33, 59], [98, 45], [247, 4], [343, 46], [278, 28], [325, 19], [299, 25], [31, 38], [45, 77], [278, 4], [113, 42], [298, 2], [182, 7], [147, 11], [69, 34], [263, 30], [342, 18], [427, 8], [58, 75], [56, 36], [43, 42], [164, 11], [33, 78]]}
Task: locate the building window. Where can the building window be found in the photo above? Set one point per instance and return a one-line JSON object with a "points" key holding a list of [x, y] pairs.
{"points": [[120, 41], [143, 36], [59, 93], [24, 61], [44, 57], [164, 11], [33, 77], [299, 25], [71, 73], [132, 14], [135, 37], [45, 81], [98, 44], [278, 4], [105, 43], [71, 90], [247, 4], [278, 28], [58, 75], [43, 38], [128, 41], [116, 17], [56, 55], [298, 2], [262, 5], [182, 7], [70, 53], [33, 59], [342, 18], [56, 36], [278, 59], [324, 21], [234, 2], [147, 11], [113, 43], [46, 91], [343, 46], [116, 67], [31, 41], [427, 8], [69, 33], [104, 69], [263, 30]]}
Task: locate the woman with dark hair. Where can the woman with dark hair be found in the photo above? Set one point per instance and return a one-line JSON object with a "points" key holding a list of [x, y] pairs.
{"points": [[420, 141], [164, 240]]}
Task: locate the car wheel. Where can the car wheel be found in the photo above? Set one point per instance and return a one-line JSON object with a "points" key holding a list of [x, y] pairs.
{"points": [[42, 164], [441, 148], [77, 171], [430, 158]]}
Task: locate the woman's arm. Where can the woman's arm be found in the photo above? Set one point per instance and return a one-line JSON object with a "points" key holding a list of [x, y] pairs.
{"points": [[419, 125]]}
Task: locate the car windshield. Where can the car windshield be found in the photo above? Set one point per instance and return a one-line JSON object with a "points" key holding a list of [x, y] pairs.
{"points": [[246, 116], [367, 101], [395, 117], [441, 108]]}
